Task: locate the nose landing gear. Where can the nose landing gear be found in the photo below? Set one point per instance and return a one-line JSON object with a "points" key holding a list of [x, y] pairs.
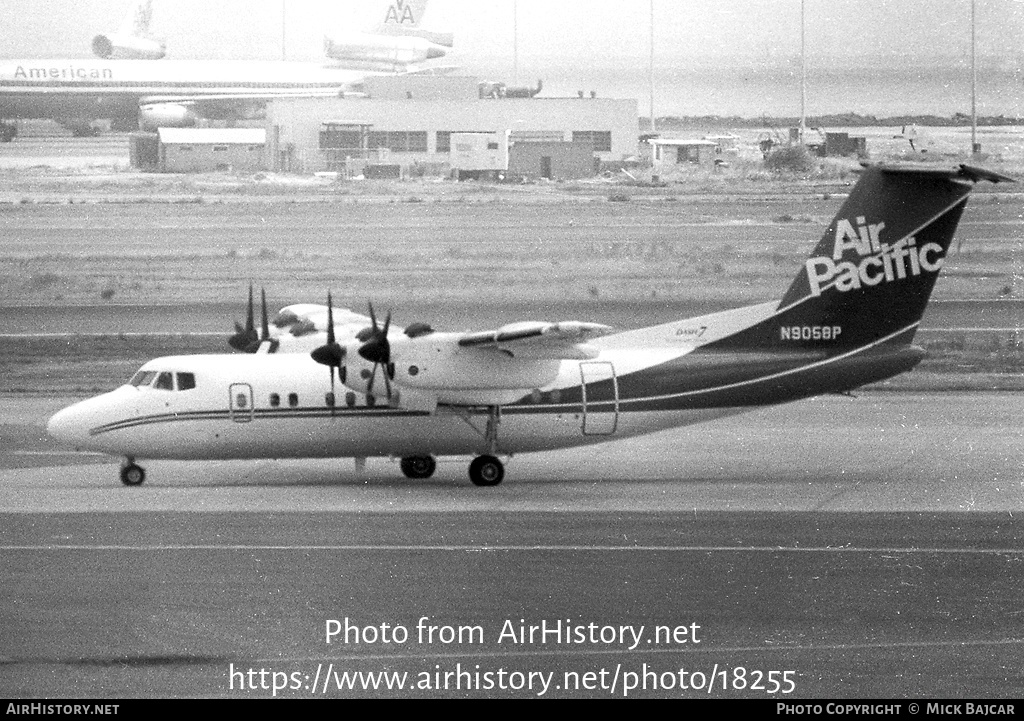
{"points": [[132, 474]]}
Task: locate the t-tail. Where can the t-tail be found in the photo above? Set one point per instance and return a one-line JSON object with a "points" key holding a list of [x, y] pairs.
{"points": [[137, 21], [405, 17], [869, 279]]}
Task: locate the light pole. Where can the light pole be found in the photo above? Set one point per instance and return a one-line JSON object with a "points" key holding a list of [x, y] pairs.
{"points": [[515, 42], [803, 70], [975, 147], [651, 70], [284, 28]]}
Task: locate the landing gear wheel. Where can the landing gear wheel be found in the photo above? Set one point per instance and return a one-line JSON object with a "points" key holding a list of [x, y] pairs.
{"points": [[418, 467], [132, 475], [486, 471]]}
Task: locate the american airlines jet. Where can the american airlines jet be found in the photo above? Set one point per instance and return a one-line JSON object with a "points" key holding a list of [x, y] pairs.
{"points": [[176, 93]]}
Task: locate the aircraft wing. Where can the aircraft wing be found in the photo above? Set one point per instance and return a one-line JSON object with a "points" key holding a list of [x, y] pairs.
{"points": [[306, 319], [566, 340]]}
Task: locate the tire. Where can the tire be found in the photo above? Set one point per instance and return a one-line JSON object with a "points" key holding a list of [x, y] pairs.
{"points": [[133, 475], [486, 471], [418, 467]]}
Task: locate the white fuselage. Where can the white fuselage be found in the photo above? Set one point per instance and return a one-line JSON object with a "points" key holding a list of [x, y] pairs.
{"points": [[33, 88], [278, 406]]}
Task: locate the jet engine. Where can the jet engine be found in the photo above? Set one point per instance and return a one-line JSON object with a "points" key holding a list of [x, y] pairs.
{"points": [[166, 115], [127, 47], [362, 48]]}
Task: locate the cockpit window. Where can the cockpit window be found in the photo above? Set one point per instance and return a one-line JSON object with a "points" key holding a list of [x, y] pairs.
{"points": [[164, 382], [143, 378], [186, 381]]}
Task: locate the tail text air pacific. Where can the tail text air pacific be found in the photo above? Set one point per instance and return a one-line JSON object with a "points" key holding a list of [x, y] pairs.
{"points": [[875, 261]]}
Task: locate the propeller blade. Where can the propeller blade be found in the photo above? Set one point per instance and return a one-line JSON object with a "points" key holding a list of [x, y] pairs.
{"points": [[266, 319], [373, 378], [244, 338], [331, 354], [377, 348], [330, 320], [250, 323]]}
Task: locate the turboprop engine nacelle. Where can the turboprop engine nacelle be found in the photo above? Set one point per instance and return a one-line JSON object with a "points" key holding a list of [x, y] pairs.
{"points": [[166, 115], [127, 47], [396, 50], [436, 363]]}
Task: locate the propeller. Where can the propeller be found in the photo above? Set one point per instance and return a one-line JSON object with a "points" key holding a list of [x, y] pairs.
{"points": [[331, 354], [248, 339], [245, 337], [377, 349]]}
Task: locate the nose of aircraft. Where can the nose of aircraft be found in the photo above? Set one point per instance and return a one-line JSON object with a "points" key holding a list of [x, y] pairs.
{"points": [[69, 425]]}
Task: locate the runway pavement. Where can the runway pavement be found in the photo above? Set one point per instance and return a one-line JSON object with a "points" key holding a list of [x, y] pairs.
{"points": [[869, 547]]}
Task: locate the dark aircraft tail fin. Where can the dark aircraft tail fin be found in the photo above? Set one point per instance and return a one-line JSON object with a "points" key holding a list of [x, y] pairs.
{"points": [[869, 279]]}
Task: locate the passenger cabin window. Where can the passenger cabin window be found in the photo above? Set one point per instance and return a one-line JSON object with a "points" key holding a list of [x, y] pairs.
{"points": [[186, 381], [164, 382], [275, 400], [293, 400]]}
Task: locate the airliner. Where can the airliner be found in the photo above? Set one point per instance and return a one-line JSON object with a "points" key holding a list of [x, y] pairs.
{"points": [[848, 319], [180, 93]]}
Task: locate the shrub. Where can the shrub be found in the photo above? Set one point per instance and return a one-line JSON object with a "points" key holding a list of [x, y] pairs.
{"points": [[792, 158]]}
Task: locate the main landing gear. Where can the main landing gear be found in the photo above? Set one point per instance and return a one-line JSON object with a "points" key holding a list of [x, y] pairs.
{"points": [[132, 474], [484, 471], [418, 467]]}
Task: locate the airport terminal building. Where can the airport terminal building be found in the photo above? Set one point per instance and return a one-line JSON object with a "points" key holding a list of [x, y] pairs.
{"points": [[407, 122]]}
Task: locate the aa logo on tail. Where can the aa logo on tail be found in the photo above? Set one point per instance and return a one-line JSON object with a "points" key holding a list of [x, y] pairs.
{"points": [[400, 13], [871, 261]]}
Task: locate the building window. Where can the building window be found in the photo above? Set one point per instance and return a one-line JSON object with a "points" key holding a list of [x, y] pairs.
{"points": [[444, 138], [399, 141], [341, 139], [601, 139]]}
